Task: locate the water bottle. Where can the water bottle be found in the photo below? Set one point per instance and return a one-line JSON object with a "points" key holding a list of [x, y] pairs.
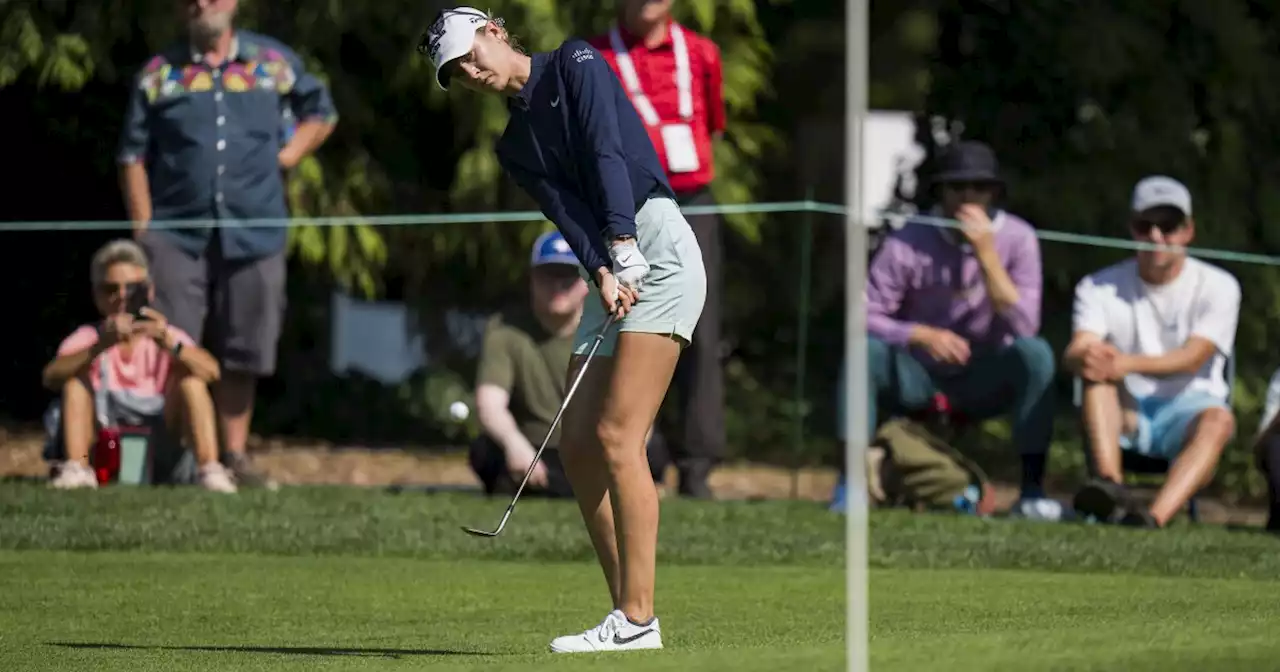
{"points": [[106, 455]]}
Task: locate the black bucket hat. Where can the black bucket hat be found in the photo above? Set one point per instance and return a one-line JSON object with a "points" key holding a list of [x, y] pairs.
{"points": [[968, 161]]}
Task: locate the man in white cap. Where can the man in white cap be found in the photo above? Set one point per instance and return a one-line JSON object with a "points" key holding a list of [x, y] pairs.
{"points": [[1152, 336]]}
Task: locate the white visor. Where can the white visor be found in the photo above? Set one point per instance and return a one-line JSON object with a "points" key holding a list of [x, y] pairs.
{"points": [[451, 36]]}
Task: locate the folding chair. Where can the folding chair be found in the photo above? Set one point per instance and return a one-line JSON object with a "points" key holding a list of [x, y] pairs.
{"points": [[1144, 465]]}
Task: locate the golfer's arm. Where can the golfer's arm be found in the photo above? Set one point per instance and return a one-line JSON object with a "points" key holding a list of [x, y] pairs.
{"points": [[589, 83], [494, 412], [568, 213]]}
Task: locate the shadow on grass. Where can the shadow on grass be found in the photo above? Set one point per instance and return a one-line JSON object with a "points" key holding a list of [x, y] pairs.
{"points": [[285, 650]]}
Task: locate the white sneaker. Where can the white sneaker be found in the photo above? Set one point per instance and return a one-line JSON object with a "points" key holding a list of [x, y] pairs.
{"points": [[615, 633], [74, 475], [216, 478]]}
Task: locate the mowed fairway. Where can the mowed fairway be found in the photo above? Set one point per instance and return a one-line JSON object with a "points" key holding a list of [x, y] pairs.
{"points": [[330, 578]]}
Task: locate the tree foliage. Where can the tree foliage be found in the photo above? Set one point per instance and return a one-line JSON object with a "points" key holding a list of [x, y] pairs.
{"points": [[402, 146]]}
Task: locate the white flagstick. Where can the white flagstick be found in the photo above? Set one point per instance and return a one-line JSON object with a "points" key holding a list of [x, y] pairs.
{"points": [[855, 350]]}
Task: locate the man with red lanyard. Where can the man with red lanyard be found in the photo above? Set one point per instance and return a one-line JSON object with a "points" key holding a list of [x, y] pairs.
{"points": [[672, 76]]}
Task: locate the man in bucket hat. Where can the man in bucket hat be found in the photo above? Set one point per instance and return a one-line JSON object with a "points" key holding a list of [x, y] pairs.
{"points": [[956, 310]]}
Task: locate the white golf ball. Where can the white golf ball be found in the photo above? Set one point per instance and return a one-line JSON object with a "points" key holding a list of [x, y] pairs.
{"points": [[459, 411]]}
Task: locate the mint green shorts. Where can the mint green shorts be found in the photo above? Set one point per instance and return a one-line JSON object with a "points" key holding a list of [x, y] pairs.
{"points": [[671, 295]]}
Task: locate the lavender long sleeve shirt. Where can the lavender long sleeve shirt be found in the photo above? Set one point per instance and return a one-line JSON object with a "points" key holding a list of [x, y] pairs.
{"points": [[920, 277]]}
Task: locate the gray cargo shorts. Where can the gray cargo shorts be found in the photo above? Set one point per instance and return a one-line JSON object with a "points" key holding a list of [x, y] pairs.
{"points": [[234, 308]]}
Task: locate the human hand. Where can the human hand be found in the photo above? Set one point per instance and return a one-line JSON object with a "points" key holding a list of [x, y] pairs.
{"points": [[629, 266], [944, 346], [618, 299], [154, 325], [1102, 363], [115, 328], [975, 225], [139, 229], [518, 461], [288, 159]]}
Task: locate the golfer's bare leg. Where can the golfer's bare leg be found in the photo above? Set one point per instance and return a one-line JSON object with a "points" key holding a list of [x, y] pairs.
{"points": [[642, 369], [1103, 421], [1195, 464], [584, 465]]}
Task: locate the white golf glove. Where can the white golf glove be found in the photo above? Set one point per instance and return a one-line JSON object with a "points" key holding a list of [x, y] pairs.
{"points": [[629, 266]]}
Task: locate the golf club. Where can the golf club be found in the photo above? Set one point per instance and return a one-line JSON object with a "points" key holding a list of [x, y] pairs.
{"points": [[554, 423]]}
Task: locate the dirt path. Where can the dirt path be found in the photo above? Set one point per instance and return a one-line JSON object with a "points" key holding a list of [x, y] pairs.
{"points": [[294, 464]]}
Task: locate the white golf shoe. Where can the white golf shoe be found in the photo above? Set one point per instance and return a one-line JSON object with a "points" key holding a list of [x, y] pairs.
{"points": [[615, 633]]}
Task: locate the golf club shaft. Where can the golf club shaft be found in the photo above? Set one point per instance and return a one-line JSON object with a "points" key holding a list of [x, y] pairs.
{"points": [[568, 396]]}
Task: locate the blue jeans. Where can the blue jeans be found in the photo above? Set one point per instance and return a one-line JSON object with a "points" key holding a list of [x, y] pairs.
{"points": [[1016, 379]]}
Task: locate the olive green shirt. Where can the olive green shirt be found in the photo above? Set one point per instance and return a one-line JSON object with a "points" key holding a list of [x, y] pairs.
{"points": [[519, 356]]}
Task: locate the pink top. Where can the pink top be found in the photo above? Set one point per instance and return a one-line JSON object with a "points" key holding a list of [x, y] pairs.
{"points": [[144, 371]]}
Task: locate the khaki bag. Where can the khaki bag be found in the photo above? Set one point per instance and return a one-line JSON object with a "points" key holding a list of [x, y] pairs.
{"points": [[909, 466]]}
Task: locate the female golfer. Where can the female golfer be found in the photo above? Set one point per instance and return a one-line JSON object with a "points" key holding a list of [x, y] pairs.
{"points": [[577, 146]]}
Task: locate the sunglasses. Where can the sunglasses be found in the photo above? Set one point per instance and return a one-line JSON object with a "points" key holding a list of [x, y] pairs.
{"points": [[1167, 225], [114, 288]]}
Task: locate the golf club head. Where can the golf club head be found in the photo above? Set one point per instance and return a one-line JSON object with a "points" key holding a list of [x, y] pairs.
{"points": [[480, 533]]}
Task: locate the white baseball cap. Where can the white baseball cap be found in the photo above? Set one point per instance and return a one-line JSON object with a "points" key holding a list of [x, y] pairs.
{"points": [[1158, 190], [451, 36]]}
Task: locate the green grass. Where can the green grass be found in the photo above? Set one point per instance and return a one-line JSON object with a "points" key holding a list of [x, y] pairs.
{"points": [[332, 578]]}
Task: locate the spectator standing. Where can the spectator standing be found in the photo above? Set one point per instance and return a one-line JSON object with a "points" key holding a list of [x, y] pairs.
{"points": [[128, 369], [1151, 336], [958, 312], [520, 379], [673, 77], [202, 141]]}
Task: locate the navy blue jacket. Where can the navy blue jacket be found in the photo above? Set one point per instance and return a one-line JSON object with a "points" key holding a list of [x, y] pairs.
{"points": [[576, 144]]}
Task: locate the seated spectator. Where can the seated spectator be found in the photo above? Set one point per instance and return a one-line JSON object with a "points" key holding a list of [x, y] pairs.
{"points": [[958, 311], [127, 370], [521, 378], [1266, 447], [1151, 336]]}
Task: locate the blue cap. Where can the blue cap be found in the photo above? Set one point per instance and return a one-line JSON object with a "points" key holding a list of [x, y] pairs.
{"points": [[551, 248]]}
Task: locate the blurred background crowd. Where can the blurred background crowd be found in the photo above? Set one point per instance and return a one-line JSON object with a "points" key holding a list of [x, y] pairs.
{"points": [[1011, 119]]}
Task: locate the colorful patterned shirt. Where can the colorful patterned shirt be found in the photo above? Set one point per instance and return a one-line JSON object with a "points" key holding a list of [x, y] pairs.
{"points": [[210, 136]]}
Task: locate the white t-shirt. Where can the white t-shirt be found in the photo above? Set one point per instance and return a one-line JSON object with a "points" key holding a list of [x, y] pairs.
{"points": [[1142, 319]]}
